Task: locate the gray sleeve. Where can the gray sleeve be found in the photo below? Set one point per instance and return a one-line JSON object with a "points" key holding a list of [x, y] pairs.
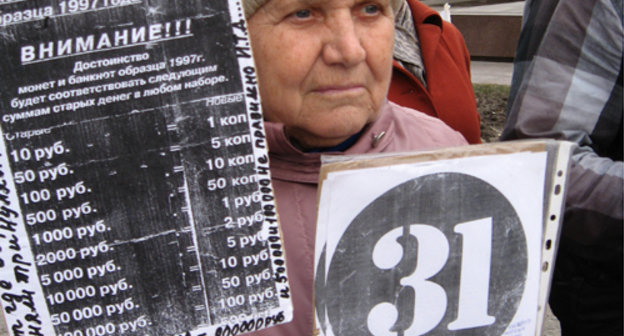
{"points": [[567, 85]]}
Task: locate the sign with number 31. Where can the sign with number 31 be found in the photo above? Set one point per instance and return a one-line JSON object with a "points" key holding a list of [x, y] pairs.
{"points": [[456, 245]]}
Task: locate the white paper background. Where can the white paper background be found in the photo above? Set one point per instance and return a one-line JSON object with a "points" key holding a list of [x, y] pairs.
{"points": [[519, 177]]}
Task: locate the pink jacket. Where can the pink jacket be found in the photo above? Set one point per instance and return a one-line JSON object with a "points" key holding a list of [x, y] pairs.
{"points": [[295, 176]]}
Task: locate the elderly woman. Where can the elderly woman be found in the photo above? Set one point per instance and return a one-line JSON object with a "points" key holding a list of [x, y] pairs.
{"points": [[324, 69]]}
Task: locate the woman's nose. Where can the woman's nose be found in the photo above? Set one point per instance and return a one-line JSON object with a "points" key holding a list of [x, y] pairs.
{"points": [[343, 45]]}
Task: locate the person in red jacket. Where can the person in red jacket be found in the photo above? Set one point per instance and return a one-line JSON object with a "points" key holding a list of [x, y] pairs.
{"points": [[432, 69]]}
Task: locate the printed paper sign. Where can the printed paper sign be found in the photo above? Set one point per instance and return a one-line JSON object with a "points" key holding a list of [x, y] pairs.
{"points": [[135, 196], [443, 247]]}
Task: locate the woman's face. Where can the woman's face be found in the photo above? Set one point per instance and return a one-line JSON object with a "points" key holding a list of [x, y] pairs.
{"points": [[324, 66]]}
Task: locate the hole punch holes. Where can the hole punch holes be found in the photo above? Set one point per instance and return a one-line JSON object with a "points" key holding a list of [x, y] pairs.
{"points": [[558, 189], [548, 244], [560, 173], [553, 217], [545, 266]]}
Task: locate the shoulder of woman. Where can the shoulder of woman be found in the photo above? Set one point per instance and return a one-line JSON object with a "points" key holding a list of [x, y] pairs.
{"points": [[417, 125]]}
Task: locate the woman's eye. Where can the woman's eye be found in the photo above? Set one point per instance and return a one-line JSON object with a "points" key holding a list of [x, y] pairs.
{"points": [[302, 14], [371, 9]]}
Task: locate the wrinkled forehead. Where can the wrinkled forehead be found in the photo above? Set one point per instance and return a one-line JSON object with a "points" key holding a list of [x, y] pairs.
{"points": [[251, 6]]}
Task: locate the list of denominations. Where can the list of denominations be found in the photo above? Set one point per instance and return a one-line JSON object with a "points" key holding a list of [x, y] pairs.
{"points": [[135, 194]]}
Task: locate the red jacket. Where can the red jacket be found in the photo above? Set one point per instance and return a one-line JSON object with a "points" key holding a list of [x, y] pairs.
{"points": [[449, 95]]}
